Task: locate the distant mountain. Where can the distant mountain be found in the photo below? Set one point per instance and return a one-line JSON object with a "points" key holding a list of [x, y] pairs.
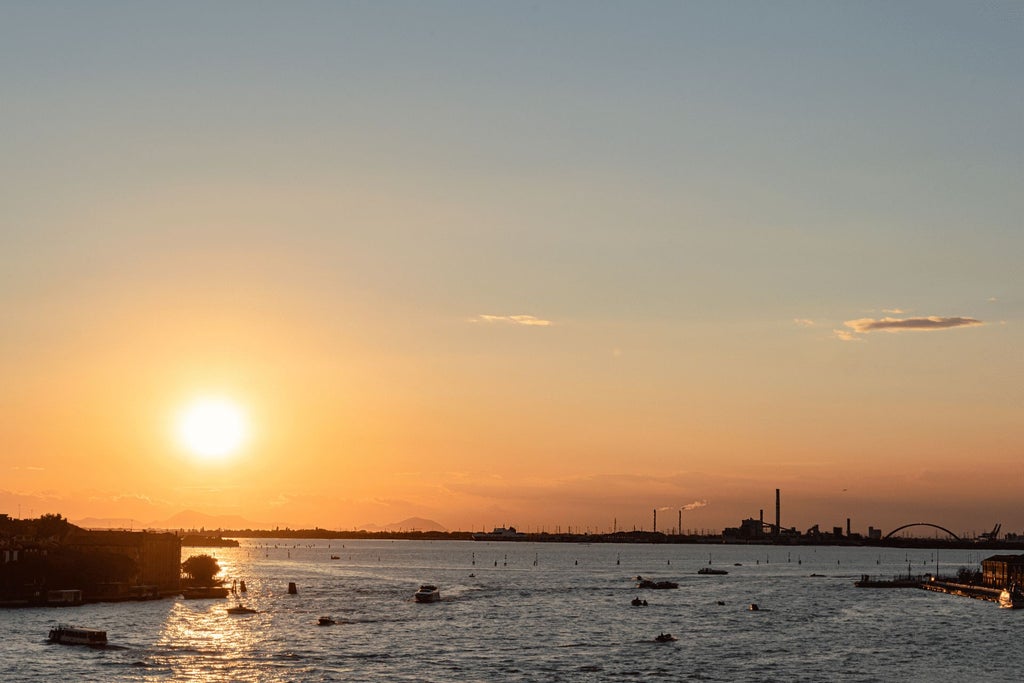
{"points": [[190, 519], [410, 524], [107, 523]]}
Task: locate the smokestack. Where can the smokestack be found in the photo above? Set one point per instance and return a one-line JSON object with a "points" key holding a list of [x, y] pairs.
{"points": [[679, 529], [847, 527], [778, 513], [655, 519]]}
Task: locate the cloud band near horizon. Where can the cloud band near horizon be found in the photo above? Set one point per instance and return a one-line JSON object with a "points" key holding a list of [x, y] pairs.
{"points": [[924, 324], [527, 320]]}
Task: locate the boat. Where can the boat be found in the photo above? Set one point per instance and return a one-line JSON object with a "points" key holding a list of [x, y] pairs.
{"points": [[709, 570], [427, 593], [326, 621], [501, 534], [335, 557], [637, 602], [73, 635], [647, 583], [241, 609], [1011, 598], [665, 638], [205, 592]]}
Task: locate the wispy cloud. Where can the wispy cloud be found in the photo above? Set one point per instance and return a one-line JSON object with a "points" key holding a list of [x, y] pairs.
{"points": [[804, 322], [845, 335], [928, 324], [893, 311], [528, 320]]}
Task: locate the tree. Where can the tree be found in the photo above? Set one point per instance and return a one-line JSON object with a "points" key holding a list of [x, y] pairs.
{"points": [[201, 569]]}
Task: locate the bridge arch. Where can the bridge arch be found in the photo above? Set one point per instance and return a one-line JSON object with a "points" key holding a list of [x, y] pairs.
{"points": [[934, 526]]}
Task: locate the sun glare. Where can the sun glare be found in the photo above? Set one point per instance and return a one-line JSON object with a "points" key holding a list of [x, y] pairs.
{"points": [[212, 428]]}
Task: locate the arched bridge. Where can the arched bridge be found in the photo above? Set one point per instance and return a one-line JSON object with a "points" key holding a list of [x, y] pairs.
{"points": [[934, 526]]}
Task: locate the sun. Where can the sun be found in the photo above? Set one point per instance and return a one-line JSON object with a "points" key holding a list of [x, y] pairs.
{"points": [[212, 428]]}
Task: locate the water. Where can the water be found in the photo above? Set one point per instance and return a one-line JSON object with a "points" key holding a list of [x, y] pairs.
{"points": [[537, 612]]}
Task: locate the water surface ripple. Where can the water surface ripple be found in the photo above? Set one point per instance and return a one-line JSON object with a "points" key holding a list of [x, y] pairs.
{"points": [[538, 612]]}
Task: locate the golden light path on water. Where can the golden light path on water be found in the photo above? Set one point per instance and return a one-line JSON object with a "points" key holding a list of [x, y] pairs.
{"points": [[221, 640]]}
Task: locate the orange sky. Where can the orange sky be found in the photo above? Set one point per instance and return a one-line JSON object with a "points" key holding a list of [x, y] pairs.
{"points": [[515, 269]]}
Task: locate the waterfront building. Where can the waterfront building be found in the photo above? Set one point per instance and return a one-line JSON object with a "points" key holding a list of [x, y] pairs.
{"points": [[157, 556], [1001, 571]]}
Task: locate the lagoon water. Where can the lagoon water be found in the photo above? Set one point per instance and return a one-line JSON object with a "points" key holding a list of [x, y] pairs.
{"points": [[538, 612]]}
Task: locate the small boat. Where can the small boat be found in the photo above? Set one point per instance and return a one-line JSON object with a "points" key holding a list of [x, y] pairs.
{"points": [[647, 583], [335, 557], [326, 621], [1011, 598], [427, 593], [205, 592], [637, 602], [664, 638], [73, 635], [709, 570], [753, 607], [241, 609]]}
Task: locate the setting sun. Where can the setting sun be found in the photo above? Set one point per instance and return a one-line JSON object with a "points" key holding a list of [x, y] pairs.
{"points": [[212, 428]]}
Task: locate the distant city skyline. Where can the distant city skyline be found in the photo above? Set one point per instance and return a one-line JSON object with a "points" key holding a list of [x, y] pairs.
{"points": [[497, 263]]}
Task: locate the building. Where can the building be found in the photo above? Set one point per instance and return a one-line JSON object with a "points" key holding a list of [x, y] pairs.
{"points": [[157, 556], [1000, 571]]}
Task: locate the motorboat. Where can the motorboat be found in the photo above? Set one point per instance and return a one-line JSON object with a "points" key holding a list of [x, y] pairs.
{"points": [[647, 583], [241, 609], [1011, 598], [637, 602], [664, 638], [427, 593], [74, 635], [709, 570], [205, 592], [326, 621]]}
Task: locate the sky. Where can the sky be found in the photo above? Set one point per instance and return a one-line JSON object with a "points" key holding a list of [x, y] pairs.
{"points": [[551, 265]]}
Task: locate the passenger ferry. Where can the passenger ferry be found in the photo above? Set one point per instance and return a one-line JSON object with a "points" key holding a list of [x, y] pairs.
{"points": [[73, 635]]}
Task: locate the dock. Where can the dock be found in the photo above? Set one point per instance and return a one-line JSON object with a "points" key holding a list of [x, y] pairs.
{"points": [[963, 589]]}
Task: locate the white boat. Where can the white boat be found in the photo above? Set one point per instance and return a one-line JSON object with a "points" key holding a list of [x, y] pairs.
{"points": [[1011, 598], [73, 635], [427, 593]]}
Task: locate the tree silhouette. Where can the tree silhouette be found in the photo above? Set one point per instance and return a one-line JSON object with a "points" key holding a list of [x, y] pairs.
{"points": [[201, 569]]}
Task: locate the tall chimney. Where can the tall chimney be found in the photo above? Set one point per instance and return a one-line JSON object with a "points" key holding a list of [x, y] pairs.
{"points": [[778, 513], [655, 519], [847, 527]]}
